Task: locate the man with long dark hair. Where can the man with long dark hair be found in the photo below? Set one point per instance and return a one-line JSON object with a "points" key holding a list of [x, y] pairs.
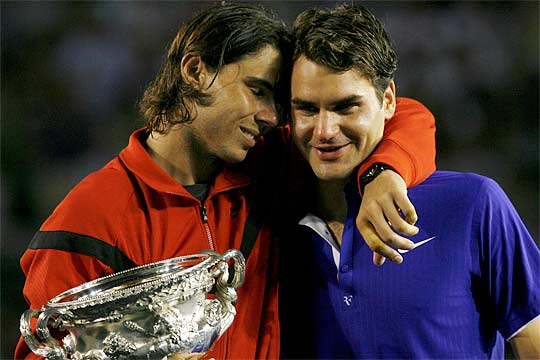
{"points": [[201, 175]]}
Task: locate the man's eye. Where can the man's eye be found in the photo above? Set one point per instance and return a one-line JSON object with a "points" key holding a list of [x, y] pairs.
{"points": [[257, 92], [310, 110], [344, 109]]}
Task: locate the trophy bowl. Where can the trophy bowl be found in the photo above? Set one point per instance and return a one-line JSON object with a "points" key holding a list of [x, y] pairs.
{"points": [[175, 306]]}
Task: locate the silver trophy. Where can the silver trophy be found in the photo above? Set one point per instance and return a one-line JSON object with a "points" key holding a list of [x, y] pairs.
{"points": [[180, 305]]}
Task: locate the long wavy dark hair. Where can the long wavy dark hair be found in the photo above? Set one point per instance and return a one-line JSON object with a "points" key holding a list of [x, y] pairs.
{"points": [[220, 35]]}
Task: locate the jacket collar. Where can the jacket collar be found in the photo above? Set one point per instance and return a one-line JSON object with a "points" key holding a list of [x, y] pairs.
{"points": [[138, 161]]}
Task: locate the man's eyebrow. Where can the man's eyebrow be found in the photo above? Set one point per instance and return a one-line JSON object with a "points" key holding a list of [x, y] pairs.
{"points": [[300, 102], [345, 100], [255, 81]]}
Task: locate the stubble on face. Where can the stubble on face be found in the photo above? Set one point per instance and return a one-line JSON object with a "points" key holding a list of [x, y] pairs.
{"points": [[338, 120], [195, 151], [242, 92]]}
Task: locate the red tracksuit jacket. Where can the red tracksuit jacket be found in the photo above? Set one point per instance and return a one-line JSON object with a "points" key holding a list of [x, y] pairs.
{"points": [[130, 212]]}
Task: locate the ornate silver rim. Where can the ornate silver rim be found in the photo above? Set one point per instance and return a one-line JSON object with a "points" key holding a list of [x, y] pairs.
{"points": [[144, 278]]}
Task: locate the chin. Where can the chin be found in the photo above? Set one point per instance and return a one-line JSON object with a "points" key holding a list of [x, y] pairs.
{"points": [[234, 158], [332, 175]]}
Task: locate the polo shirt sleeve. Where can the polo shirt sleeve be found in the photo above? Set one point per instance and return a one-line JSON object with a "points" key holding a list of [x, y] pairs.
{"points": [[510, 260]]}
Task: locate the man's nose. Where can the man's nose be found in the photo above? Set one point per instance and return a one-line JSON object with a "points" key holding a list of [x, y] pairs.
{"points": [[326, 126], [266, 116]]}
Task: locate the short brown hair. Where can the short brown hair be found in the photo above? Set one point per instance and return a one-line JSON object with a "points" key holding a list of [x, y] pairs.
{"points": [[344, 38]]}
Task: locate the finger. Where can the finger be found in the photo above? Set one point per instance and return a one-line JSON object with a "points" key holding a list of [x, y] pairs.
{"points": [[378, 246], [378, 259], [193, 356], [385, 233], [398, 223], [407, 208]]}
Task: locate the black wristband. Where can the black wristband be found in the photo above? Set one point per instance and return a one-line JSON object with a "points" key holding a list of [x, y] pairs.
{"points": [[370, 174]]}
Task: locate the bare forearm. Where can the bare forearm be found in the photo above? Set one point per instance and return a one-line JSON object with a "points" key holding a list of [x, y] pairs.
{"points": [[526, 343]]}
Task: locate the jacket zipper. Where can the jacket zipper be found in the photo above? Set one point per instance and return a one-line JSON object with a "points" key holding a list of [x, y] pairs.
{"points": [[204, 217]]}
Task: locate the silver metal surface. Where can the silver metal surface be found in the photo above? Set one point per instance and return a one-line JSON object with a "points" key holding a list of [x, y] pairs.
{"points": [[180, 305]]}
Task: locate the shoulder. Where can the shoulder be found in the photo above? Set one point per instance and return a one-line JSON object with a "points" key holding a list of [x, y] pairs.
{"points": [[463, 187], [453, 180], [97, 199], [109, 184], [109, 178]]}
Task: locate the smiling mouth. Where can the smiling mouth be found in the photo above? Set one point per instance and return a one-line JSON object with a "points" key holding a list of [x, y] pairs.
{"points": [[330, 152], [250, 133], [251, 136], [329, 149]]}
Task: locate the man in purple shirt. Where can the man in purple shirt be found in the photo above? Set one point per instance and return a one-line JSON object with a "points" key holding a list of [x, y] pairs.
{"points": [[471, 280]]}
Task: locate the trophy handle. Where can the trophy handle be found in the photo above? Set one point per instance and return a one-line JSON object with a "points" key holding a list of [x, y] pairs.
{"points": [[239, 268], [226, 293], [51, 349]]}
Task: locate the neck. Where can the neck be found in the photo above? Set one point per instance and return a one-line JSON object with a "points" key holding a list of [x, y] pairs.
{"points": [[177, 154], [331, 206]]}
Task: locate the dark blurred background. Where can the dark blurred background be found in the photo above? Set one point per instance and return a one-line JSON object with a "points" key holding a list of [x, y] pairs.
{"points": [[72, 73]]}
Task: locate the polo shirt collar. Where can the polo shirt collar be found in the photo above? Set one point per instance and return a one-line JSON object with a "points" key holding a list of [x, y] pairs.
{"points": [[320, 227]]}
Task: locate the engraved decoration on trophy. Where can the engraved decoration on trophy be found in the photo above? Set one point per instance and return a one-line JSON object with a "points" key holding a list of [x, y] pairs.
{"points": [[180, 305]]}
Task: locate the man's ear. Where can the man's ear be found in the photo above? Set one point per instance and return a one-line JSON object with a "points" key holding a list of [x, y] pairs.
{"points": [[193, 70], [389, 100]]}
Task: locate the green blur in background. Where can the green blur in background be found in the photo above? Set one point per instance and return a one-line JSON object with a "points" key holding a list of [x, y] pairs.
{"points": [[72, 73]]}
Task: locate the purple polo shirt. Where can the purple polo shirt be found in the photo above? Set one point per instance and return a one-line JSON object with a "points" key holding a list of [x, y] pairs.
{"points": [[456, 296]]}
